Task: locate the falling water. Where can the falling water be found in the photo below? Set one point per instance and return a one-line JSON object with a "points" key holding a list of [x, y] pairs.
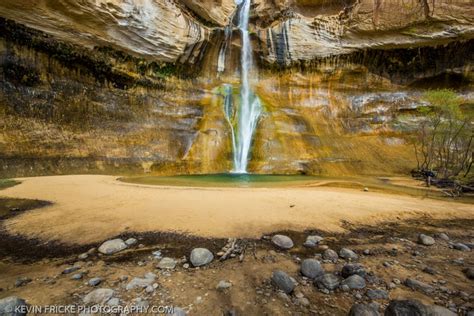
{"points": [[250, 106]]}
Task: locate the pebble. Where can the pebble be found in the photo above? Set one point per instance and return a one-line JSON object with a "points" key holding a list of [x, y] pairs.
{"points": [[377, 294], [282, 281], [461, 247], [131, 241], [141, 283], [112, 246], [99, 296], [22, 281], [83, 256], [425, 240], [223, 285], [351, 269], [167, 263], [282, 241], [348, 254], [429, 270], [419, 286], [201, 257], [327, 281], [95, 281], [71, 269], [312, 241], [354, 282], [311, 268], [77, 276], [330, 255], [178, 312], [443, 236]]}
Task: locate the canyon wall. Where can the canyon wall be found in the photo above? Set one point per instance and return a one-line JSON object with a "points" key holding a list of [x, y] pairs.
{"points": [[123, 86]]}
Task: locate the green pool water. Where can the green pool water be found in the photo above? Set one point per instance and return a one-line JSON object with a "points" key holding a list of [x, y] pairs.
{"points": [[225, 180]]}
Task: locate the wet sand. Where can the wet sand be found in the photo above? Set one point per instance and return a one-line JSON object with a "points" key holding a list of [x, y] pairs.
{"points": [[92, 208]]}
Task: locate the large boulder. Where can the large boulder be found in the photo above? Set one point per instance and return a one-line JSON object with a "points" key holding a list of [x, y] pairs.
{"points": [[12, 306], [112, 246], [405, 308], [99, 296], [435, 310], [311, 268], [283, 281], [201, 257], [363, 310], [282, 241]]}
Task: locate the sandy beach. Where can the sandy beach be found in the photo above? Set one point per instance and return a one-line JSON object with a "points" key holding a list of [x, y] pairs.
{"points": [[92, 208]]}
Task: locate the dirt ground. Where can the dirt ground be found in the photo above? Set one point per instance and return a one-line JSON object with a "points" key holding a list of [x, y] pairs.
{"points": [[394, 254]]}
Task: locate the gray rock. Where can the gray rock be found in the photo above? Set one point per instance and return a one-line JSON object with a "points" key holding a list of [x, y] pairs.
{"points": [[377, 294], [348, 254], [99, 296], [429, 270], [331, 255], [71, 269], [425, 240], [419, 286], [167, 264], [77, 276], [435, 310], [354, 282], [282, 241], [178, 312], [223, 285], [141, 283], [461, 247], [469, 273], [114, 301], [311, 268], [83, 256], [201, 257], [327, 281], [363, 310], [281, 280], [312, 241], [95, 281], [12, 306], [405, 308], [149, 289], [351, 269], [443, 236], [22, 281], [112, 246], [131, 241]]}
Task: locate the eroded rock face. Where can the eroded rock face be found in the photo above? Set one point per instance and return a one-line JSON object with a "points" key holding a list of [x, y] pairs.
{"points": [[159, 29], [124, 104]]}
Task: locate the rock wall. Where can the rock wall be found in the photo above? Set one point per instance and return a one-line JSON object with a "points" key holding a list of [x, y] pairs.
{"points": [[132, 86]]}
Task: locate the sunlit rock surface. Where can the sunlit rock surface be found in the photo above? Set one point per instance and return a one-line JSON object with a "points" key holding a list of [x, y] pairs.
{"points": [[133, 86]]}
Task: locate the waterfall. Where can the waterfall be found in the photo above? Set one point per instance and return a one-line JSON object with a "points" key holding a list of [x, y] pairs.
{"points": [[250, 106]]}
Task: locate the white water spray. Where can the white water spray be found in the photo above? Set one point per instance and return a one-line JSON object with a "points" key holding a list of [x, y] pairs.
{"points": [[250, 106]]}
